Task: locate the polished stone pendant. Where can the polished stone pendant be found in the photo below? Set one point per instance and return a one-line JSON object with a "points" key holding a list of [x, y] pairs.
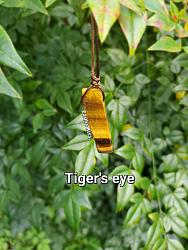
{"points": [[94, 108]]}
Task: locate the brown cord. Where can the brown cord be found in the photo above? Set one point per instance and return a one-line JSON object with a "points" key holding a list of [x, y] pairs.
{"points": [[95, 77]]}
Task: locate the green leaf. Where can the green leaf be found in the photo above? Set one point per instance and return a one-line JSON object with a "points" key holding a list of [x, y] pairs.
{"points": [[184, 101], [106, 12], [82, 199], [77, 6], [77, 143], [4, 199], [49, 3], [182, 175], [170, 178], [37, 121], [8, 54], [64, 102], [109, 84], [60, 198], [180, 192], [185, 48], [120, 170], [171, 200], [23, 172], [126, 76], [6, 88], [146, 206], [118, 56], [102, 157], [85, 160], [43, 246], [133, 27], [170, 162], [127, 151], [138, 178], [131, 4], [160, 244], [137, 198], [48, 109], [127, 101], [133, 215], [182, 207], [138, 162], [154, 233], [114, 136], [145, 183], [73, 201], [142, 79], [35, 5], [56, 183], [37, 209], [174, 244], [72, 211], [181, 60], [162, 22], [85, 5], [123, 195], [118, 113], [77, 123], [134, 133], [151, 192], [177, 225], [168, 44], [14, 190], [157, 6], [154, 216], [174, 11]]}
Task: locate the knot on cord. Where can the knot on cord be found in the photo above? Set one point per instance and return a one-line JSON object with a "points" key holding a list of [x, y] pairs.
{"points": [[95, 81]]}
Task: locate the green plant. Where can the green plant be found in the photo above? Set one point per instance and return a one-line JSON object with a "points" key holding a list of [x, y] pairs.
{"points": [[43, 135]]}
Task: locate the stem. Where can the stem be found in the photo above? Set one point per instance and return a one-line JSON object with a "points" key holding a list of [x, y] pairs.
{"points": [[154, 177]]}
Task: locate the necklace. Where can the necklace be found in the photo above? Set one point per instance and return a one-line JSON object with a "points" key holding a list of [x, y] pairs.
{"points": [[93, 100]]}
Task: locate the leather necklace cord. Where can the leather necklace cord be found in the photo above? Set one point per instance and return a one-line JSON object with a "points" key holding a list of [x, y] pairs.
{"points": [[95, 67]]}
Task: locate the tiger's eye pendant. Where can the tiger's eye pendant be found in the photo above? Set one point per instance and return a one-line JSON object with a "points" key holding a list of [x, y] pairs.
{"points": [[93, 100], [94, 106]]}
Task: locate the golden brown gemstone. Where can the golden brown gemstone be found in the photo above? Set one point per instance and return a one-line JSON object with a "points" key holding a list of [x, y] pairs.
{"points": [[92, 99]]}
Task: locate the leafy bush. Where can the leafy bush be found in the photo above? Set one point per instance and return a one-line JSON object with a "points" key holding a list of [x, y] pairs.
{"points": [[42, 135]]}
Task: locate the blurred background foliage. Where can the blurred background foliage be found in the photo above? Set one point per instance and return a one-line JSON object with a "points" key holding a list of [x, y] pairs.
{"points": [[42, 134]]}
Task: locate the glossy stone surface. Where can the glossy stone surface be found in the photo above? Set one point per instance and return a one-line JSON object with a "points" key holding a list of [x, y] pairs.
{"points": [[92, 99]]}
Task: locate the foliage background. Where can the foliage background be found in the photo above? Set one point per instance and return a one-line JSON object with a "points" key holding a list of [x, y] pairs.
{"points": [[146, 98]]}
